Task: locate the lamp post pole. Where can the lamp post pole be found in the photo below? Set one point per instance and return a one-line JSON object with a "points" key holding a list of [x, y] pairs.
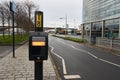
{"points": [[74, 28], [66, 25]]}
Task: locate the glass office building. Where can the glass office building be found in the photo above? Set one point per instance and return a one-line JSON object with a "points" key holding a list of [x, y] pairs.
{"points": [[101, 18], [100, 9]]}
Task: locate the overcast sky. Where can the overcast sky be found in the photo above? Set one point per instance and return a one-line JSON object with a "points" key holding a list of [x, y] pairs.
{"points": [[55, 9]]}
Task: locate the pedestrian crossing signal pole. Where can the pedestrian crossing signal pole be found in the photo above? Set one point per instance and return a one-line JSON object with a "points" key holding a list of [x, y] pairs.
{"points": [[38, 45], [38, 28]]}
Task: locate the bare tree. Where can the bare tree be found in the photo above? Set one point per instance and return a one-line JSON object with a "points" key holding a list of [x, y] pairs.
{"points": [[22, 15], [17, 16], [8, 14], [29, 6], [2, 16]]}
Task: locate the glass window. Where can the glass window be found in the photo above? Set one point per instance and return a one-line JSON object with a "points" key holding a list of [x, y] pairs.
{"points": [[111, 28]]}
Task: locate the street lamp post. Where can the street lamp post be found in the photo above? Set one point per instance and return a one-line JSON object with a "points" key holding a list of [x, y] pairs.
{"points": [[65, 25], [74, 28], [54, 27]]}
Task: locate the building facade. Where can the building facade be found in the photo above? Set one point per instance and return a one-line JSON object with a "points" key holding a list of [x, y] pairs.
{"points": [[99, 14], [94, 10], [101, 18]]}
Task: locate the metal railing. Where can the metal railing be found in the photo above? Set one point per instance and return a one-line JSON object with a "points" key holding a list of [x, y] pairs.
{"points": [[108, 43]]}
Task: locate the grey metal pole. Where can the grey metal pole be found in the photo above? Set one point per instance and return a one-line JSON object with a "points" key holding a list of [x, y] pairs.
{"points": [[103, 25], [119, 27], [66, 26], [39, 70], [74, 27], [13, 36]]}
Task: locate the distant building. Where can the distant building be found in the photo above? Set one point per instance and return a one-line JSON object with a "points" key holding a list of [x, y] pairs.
{"points": [[16, 30]]}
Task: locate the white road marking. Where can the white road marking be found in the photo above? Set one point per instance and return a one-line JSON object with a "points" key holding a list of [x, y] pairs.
{"points": [[61, 41], [55, 53], [117, 65], [63, 61], [117, 54], [72, 76], [79, 49], [92, 55], [64, 67], [49, 39], [109, 62]]}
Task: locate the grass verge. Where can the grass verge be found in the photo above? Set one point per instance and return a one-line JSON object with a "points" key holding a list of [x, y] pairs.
{"points": [[78, 40], [7, 39]]}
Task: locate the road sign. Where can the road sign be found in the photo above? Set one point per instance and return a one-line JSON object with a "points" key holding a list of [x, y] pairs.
{"points": [[12, 6], [38, 21]]}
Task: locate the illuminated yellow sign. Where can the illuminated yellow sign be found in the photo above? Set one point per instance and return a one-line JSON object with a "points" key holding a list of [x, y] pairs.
{"points": [[36, 43], [38, 20]]}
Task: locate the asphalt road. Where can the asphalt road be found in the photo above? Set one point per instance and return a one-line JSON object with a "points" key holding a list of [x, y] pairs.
{"points": [[78, 62]]}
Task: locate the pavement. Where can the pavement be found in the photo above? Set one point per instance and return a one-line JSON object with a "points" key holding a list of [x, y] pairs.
{"points": [[20, 68]]}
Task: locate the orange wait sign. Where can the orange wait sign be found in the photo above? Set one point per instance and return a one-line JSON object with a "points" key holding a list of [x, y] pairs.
{"points": [[35, 43]]}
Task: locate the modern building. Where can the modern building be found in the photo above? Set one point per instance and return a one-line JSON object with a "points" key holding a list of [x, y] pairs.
{"points": [[101, 18]]}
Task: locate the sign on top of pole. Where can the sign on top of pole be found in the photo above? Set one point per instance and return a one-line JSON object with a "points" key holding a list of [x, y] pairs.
{"points": [[38, 21], [12, 6]]}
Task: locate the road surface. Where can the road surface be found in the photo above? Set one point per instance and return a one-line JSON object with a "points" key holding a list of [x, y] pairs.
{"points": [[78, 62]]}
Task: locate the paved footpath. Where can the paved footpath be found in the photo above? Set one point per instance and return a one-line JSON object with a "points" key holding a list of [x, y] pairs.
{"points": [[20, 68]]}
